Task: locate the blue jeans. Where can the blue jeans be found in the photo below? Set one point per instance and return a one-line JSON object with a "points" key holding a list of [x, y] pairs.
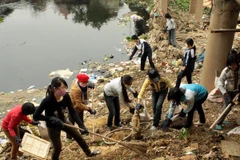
{"points": [[171, 37], [157, 102], [114, 110]]}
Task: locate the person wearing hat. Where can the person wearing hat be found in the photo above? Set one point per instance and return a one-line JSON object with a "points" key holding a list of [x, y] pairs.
{"points": [[193, 95], [144, 50], [79, 95], [228, 84], [159, 86], [54, 105], [10, 125], [113, 91]]}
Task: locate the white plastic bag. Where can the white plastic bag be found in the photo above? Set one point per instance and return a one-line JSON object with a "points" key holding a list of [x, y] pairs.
{"points": [[145, 116]]}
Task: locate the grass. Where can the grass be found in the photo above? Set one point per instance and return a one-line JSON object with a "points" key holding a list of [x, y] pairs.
{"points": [[184, 134], [1, 19], [183, 5]]}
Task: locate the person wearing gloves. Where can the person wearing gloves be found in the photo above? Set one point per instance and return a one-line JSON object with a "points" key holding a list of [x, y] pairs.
{"points": [[228, 84], [54, 105], [113, 91], [144, 50], [170, 27], [192, 95], [79, 95], [188, 62], [159, 86], [135, 123], [10, 125]]}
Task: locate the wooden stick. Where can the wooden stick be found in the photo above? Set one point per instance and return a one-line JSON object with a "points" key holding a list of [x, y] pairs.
{"points": [[93, 121], [225, 110], [129, 146], [224, 30]]}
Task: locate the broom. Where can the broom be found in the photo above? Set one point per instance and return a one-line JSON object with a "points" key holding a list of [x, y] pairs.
{"points": [[138, 147]]}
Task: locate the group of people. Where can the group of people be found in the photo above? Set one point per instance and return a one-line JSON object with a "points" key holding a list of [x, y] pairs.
{"points": [[58, 101]]}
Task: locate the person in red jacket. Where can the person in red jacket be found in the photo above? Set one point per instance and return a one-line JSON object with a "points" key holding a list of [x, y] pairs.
{"points": [[10, 125]]}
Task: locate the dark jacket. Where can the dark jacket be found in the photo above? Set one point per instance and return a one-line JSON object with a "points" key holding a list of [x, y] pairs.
{"points": [[190, 59]]}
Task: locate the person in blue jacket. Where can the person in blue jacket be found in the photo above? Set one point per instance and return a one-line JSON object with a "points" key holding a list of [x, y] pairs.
{"points": [[193, 95], [144, 50]]}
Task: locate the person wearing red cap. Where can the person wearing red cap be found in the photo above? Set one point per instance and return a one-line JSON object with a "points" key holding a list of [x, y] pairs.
{"points": [[79, 95]]}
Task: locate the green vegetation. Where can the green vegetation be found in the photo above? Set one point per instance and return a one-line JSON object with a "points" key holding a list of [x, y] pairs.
{"points": [[148, 4], [184, 134], [1, 19], [183, 5], [128, 39]]}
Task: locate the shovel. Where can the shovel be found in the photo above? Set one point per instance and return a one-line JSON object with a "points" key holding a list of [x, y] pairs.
{"points": [[139, 148]]}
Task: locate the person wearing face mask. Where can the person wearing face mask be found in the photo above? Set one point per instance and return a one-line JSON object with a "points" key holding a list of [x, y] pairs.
{"points": [[228, 84], [113, 91], [159, 86], [54, 105], [79, 96], [10, 125]]}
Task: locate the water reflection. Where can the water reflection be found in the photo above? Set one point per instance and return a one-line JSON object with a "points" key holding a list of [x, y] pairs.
{"points": [[93, 12], [38, 5], [88, 12]]}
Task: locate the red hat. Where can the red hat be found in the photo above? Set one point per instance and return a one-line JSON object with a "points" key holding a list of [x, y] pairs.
{"points": [[82, 77]]}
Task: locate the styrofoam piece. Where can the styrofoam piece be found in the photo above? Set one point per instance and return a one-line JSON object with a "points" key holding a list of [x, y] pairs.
{"points": [[35, 146]]}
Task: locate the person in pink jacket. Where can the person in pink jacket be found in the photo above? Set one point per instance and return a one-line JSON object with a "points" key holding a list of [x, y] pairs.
{"points": [[10, 125]]}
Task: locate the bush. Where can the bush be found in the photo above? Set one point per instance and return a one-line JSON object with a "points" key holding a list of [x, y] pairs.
{"points": [[1, 19], [180, 4]]}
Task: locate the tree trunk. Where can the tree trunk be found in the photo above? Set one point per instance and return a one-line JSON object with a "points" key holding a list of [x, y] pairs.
{"points": [[224, 15], [192, 6], [164, 5], [198, 10]]}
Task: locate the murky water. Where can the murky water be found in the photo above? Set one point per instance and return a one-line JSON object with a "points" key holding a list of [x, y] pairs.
{"points": [[41, 36]]}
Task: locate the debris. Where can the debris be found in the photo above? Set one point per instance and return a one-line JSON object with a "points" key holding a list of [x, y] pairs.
{"points": [[231, 148], [61, 73], [31, 87], [235, 130]]}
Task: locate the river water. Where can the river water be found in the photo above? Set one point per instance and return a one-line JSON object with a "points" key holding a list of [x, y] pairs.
{"points": [[41, 36]]}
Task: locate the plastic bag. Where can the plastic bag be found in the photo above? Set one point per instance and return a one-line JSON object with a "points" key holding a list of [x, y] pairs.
{"points": [[145, 116]]}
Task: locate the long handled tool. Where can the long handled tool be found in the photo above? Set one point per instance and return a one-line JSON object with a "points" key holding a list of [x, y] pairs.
{"points": [[93, 121], [139, 148], [225, 110]]}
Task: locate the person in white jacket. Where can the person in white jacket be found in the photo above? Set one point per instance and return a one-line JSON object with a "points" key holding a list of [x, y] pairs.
{"points": [[228, 84], [170, 27], [113, 91]]}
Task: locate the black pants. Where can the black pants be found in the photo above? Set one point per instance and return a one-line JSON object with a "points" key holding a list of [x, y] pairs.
{"points": [[55, 137], [197, 106], [182, 74], [80, 115], [114, 110], [144, 58]]}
